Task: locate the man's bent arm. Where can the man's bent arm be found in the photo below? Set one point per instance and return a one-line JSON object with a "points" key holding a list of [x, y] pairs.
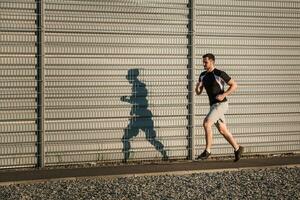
{"points": [[199, 88], [232, 87]]}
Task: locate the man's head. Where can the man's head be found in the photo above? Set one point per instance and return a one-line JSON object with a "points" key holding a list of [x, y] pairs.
{"points": [[132, 75], [208, 61]]}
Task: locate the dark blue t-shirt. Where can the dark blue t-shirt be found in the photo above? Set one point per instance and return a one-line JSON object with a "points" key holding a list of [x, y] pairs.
{"points": [[214, 83]]}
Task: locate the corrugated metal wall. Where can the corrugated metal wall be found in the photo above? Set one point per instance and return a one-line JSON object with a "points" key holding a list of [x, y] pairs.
{"points": [[258, 44], [116, 71], [92, 48], [17, 83]]}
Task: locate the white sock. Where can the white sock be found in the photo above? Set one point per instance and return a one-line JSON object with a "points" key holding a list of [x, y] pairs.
{"points": [[208, 150]]}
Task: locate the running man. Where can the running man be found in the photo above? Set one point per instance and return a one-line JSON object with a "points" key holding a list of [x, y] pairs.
{"points": [[213, 80]]}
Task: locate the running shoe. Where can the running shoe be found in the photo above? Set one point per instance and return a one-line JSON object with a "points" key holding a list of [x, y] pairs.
{"points": [[238, 153], [204, 155]]}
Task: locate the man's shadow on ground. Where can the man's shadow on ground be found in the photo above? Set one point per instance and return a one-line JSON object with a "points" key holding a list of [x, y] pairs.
{"points": [[141, 116]]}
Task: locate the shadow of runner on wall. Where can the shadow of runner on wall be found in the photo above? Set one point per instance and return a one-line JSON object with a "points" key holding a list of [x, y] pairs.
{"points": [[140, 116]]}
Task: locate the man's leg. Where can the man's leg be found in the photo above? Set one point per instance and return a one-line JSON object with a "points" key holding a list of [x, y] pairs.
{"points": [[129, 133], [207, 124], [151, 137], [227, 134], [238, 150]]}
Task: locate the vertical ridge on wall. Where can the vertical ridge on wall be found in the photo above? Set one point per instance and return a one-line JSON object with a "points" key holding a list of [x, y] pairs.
{"points": [[17, 83], [258, 44], [92, 110]]}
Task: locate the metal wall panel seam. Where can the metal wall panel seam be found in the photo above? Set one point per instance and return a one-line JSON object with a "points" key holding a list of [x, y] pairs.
{"points": [[108, 134], [108, 123], [259, 118], [141, 3], [191, 102], [18, 6], [41, 84], [116, 8], [252, 3], [57, 38]]}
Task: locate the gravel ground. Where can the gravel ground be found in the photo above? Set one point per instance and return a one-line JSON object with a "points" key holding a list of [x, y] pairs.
{"points": [[272, 183]]}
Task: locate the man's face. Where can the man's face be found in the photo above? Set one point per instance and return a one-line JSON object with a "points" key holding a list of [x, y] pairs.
{"points": [[207, 63]]}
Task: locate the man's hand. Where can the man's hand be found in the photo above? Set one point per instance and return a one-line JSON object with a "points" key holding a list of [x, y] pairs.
{"points": [[220, 97]]}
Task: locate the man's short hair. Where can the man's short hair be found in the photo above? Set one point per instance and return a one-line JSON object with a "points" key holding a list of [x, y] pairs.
{"points": [[209, 56]]}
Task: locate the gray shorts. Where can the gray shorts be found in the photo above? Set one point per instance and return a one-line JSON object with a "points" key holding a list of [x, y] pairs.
{"points": [[217, 112]]}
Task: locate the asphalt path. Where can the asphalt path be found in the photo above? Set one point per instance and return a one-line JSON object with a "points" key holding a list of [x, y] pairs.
{"points": [[166, 167]]}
